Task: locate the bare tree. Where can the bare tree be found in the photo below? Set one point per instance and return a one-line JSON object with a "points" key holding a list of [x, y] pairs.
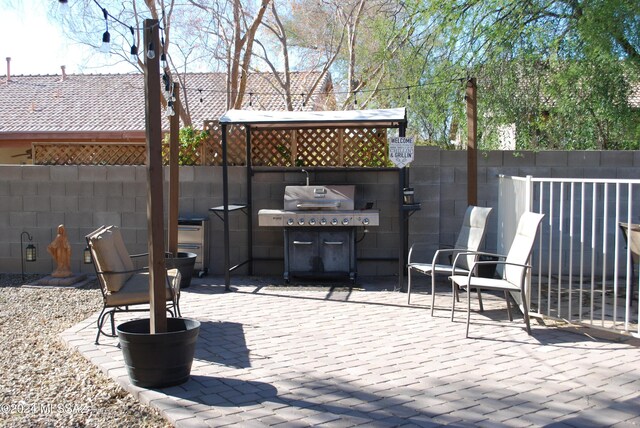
{"points": [[236, 27], [277, 28]]}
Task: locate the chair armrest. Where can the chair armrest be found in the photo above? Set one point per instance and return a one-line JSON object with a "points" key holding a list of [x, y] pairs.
{"points": [[166, 254], [118, 272], [139, 255], [436, 255], [475, 253]]}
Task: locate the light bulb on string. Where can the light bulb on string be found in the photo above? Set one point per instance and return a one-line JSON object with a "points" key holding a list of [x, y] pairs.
{"points": [[134, 48], [163, 60], [134, 54], [106, 37], [170, 111], [163, 55], [63, 7], [106, 43], [151, 53]]}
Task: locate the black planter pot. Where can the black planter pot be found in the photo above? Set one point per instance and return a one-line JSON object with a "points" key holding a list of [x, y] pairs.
{"points": [[488, 270], [162, 359], [185, 263]]}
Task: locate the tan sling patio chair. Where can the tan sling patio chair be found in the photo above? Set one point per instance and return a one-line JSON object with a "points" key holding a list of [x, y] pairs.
{"points": [[515, 268], [470, 238], [124, 288]]}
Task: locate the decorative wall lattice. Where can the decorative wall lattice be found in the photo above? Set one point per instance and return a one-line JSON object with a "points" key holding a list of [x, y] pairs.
{"points": [[347, 147], [89, 154]]}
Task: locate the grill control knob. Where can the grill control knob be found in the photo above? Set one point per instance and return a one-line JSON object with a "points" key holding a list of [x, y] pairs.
{"points": [[365, 221], [334, 221], [301, 221], [312, 221], [323, 221], [345, 221], [290, 222]]}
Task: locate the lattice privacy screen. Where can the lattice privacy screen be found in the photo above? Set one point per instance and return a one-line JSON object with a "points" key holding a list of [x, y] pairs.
{"points": [[350, 147]]}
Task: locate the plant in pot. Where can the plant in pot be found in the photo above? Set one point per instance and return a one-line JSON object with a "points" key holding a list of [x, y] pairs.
{"points": [[184, 262]]}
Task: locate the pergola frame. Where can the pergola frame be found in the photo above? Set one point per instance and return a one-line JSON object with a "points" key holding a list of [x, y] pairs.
{"points": [[387, 118]]}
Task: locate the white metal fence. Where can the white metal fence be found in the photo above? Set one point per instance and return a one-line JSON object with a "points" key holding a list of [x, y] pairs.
{"points": [[584, 271]]}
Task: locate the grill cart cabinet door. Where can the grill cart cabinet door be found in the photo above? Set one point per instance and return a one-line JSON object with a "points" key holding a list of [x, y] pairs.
{"points": [[317, 252], [303, 251], [334, 249], [193, 237]]}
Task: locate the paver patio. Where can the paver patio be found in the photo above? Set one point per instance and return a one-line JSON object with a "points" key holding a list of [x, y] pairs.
{"points": [[340, 357]]}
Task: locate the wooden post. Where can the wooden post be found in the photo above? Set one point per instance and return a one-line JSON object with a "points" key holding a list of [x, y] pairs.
{"points": [[174, 172], [155, 214], [472, 138]]}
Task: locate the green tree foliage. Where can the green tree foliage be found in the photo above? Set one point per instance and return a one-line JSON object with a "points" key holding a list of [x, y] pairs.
{"points": [[561, 71]]}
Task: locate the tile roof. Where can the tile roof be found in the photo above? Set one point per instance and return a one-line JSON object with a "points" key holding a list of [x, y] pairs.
{"points": [[115, 102]]}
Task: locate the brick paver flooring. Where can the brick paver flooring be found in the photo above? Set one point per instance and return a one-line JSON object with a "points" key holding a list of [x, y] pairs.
{"points": [[307, 356]]}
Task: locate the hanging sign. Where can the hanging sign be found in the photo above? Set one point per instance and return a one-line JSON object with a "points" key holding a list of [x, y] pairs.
{"points": [[401, 151]]}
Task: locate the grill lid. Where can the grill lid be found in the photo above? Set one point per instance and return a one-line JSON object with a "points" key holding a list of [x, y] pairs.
{"points": [[339, 197]]}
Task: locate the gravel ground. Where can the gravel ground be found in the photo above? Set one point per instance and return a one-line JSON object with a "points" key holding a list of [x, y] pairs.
{"points": [[43, 383]]}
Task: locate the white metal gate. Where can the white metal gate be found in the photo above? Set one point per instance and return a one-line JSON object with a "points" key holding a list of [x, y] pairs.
{"points": [[583, 267]]}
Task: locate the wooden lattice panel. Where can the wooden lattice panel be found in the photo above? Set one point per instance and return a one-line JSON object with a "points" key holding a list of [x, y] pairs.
{"points": [[187, 155], [211, 152], [365, 147], [89, 154], [361, 147], [318, 147], [271, 147]]}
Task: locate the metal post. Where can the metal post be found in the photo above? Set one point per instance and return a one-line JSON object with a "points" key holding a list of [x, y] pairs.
{"points": [[403, 217], [249, 200], [174, 173], [225, 211]]}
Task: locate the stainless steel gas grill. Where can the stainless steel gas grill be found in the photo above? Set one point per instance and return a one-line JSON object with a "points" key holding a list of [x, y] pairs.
{"points": [[319, 230]]}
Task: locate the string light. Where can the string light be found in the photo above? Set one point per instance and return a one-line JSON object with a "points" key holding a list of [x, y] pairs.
{"points": [[134, 48], [106, 37], [169, 96], [163, 55], [151, 52], [63, 7]]}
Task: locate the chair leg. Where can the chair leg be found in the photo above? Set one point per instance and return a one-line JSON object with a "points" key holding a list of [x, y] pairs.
{"points": [[408, 285], [525, 312], [468, 312], [454, 287], [433, 292], [480, 299], [113, 324], [99, 323], [506, 298]]}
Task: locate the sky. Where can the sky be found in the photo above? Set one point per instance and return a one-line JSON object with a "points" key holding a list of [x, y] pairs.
{"points": [[37, 45]]}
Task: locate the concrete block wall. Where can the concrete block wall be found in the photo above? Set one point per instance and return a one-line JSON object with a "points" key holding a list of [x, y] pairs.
{"points": [[37, 199]]}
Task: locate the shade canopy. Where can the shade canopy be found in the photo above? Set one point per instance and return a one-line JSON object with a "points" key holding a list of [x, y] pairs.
{"points": [[390, 118]]}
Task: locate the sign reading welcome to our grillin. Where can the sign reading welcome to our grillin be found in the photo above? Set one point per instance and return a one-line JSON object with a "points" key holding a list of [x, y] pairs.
{"points": [[401, 151]]}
